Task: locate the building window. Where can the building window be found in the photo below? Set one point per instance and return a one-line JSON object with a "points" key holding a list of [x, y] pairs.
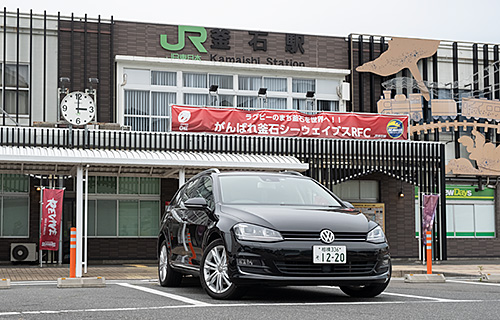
{"points": [[276, 103], [275, 84], [148, 111], [303, 85], [358, 190], [302, 105], [14, 205], [247, 102], [162, 78], [196, 99], [195, 80], [124, 207], [226, 100], [223, 81], [327, 105], [470, 213], [249, 83], [148, 94], [444, 93], [474, 220], [160, 110], [16, 102]]}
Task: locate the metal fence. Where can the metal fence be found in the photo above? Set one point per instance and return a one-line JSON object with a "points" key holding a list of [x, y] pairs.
{"points": [[331, 160]]}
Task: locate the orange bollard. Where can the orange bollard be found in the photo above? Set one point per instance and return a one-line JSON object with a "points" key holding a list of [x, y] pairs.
{"points": [[72, 254], [429, 252]]}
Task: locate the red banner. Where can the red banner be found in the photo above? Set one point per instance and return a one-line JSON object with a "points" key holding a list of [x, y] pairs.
{"points": [[337, 125], [51, 219]]}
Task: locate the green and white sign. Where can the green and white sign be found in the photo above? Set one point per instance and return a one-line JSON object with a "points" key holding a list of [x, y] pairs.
{"points": [[455, 192], [197, 36], [469, 193]]}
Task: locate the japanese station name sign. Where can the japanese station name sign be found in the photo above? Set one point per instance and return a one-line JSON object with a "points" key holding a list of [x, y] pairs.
{"points": [[220, 41], [336, 125]]}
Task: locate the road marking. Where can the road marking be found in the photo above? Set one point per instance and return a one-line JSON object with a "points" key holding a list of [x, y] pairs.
{"points": [[33, 283], [165, 294], [403, 295], [472, 282], [417, 297], [290, 304]]}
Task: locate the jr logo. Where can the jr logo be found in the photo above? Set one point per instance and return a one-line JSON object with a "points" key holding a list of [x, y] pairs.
{"points": [[196, 40]]}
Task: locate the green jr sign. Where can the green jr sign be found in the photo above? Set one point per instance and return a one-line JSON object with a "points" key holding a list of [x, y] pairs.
{"points": [[196, 40]]}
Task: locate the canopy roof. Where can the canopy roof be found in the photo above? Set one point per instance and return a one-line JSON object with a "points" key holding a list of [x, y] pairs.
{"points": [[61, 161]]}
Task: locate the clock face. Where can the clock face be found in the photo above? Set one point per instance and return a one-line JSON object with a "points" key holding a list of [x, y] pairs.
{"points": [[78, 108]]}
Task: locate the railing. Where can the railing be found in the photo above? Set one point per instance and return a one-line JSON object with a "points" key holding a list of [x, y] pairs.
{"points": [[330, 160]]}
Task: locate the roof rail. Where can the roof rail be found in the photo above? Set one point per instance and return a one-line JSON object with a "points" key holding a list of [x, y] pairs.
{"points": [[211, 170], [295, 173]]}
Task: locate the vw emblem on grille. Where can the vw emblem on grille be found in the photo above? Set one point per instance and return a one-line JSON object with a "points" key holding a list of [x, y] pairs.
{"points": [[326, 236]]}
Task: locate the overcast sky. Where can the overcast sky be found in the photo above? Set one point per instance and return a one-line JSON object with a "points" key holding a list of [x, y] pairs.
{"points": [[456, 20]]}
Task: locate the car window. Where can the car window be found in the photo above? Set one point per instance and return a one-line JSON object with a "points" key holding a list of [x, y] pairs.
{"points": [[176, 199], [273, 189], [189, 191], [205, 190]]}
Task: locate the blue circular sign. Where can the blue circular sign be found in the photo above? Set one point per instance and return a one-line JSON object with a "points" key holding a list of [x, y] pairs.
{"points": [[395, 128]]}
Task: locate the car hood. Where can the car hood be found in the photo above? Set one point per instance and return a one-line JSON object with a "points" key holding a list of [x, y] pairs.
{"points": [[292, 218]]}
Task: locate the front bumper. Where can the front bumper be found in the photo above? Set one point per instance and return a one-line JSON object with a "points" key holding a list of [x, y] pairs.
{"points": [[290, 263]]}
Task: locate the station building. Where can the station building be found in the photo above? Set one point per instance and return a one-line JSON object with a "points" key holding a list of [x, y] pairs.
{"points": [[120, 169]]}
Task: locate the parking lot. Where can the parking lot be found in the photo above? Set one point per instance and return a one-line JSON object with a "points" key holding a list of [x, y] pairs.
{"points": [[133, 299]]}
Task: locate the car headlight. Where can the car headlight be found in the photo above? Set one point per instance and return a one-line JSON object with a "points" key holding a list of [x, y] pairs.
{"points": [[250, 232], [376, 235]]}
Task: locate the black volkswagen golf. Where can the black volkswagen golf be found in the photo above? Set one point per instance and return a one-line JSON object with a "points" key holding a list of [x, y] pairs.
{"points": [[239, 229]]}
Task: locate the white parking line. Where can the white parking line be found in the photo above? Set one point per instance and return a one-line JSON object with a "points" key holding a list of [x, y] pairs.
{"points": [[473, 282], [165, 294], [238, 305], [33, 283], [416, 297], [404, 295]]}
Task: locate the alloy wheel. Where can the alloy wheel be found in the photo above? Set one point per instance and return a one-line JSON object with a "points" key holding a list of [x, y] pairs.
{"points": [[215, 270], [163, 263]]}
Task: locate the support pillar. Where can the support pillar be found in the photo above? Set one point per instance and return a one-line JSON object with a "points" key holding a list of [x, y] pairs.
{"points": [[79, 220], [182, 177]]}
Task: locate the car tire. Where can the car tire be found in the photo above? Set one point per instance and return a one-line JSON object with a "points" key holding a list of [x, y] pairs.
{"points": [[367, 291], [364, 291], [168, 277], [213, 273]]}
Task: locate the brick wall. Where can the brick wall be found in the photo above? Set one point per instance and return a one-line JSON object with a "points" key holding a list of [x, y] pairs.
{"points": [[399, 215], [93, 60]]}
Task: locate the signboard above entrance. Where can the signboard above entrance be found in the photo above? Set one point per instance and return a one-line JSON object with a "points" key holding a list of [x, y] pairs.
{"points": [[221, 45], [291, 123]]}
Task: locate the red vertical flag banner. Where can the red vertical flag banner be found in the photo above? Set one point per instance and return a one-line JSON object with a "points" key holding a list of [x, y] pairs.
{"points": [[430, 204], [51, 219]]}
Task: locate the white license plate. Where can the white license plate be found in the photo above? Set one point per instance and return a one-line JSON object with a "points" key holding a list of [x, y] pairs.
{"points": [[329, 254]]}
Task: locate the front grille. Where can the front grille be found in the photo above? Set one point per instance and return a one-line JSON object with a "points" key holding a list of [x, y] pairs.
{"points": [[303, 268], [314, 236]]}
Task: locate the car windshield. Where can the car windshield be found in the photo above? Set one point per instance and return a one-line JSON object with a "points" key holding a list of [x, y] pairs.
{"points": [[275, 190]]}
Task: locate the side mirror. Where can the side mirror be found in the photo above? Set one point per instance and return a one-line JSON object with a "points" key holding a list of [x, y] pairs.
{"points": [[348, 204], [196, 203]]}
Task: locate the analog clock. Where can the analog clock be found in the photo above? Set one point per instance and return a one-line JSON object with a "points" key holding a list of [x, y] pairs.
{"points": [[78, 108]]}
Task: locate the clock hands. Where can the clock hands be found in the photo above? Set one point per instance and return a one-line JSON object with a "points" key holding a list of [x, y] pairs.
{"points": [[78, 98], [78, 108]]}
